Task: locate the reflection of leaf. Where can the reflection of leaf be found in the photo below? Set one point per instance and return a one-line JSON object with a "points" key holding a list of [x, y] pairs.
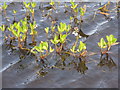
{"points": [[82, 67]]}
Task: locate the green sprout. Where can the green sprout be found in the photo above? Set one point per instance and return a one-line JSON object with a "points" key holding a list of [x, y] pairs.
{"points": [[111, 40], [73, 5], [2, 28], [33, 4], [14, 11], [63, 27], [102, 43], [16, 31], [43, 49], [63, 38], [73, 49], [27, 6], [33, 31], [55, 40], [82, 12], [47, 30], [81, 50], [52, 3], [4, 7], [24, 30]]}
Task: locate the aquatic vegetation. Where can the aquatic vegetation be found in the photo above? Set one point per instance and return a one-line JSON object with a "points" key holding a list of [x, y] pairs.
{"points": [[105, 47], [2, 28], [81, 50], [33, 31], [43, 49], [59, 41], [14, 12], [82, 12], [111, 40], [47, 30], [4, 7], [33, 4]]}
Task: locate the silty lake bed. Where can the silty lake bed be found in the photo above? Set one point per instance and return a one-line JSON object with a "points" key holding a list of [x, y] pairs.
{"points": [[18, 73]]}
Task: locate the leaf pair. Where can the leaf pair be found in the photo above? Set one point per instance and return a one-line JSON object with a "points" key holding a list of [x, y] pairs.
{"points": [[52, 3], [81, 47], [111, 40], [42, 46], [47, 30], [2, 28], [102, 43], [55, 40], [32, 27], [83, 10], [73, 5], [63, 27], [4, 6], [63, 38]]}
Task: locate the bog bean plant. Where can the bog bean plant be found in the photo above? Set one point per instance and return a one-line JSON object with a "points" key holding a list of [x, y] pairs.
{"points": [[24, 35]]}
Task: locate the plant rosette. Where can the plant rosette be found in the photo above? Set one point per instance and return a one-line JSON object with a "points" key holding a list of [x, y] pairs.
{"points": [[106, 46]]}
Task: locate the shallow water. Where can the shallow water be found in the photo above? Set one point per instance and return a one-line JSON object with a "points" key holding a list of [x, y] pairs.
{"points": [[22, 73]]}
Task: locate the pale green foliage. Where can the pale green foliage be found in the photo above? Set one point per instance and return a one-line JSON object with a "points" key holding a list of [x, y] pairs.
{"points": [[43, 46], [102, 43], [55, 40], [111, 40], [4, 6], [52, 3], [47, 30], [33, 4], [2, 28], [63, 38], [82, 46], [63, 27], [83, 10], [32, 27], [73, 5], [73, 49]]}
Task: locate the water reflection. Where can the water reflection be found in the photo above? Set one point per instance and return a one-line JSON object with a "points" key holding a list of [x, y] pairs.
{"points": [[106, 60]]}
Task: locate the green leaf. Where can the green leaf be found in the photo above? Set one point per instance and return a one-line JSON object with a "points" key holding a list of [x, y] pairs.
{"points": [[33, 4], [82, 46], [15, 33], [51, 50], [2, 28], [73, 49], [52, 2], [45, 45], [63, 38], [111, 40], [47, 29], [102, 43]]}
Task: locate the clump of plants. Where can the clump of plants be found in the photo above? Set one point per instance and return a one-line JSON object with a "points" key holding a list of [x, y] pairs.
{"points": [[105, 50], [20, 30], [30, 8], [43, 49], [60, 37], [33, 32]]}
